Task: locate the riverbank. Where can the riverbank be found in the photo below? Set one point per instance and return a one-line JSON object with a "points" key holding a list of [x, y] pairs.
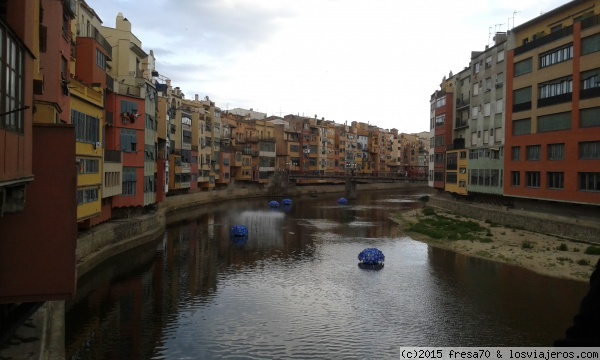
{"points": [[544, 254]]}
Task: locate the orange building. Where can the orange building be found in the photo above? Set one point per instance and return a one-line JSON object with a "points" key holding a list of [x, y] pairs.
{"points": [[553, 106]]}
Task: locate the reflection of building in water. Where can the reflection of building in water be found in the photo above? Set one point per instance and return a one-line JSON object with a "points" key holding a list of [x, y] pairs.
{"points": [[264, 227]]}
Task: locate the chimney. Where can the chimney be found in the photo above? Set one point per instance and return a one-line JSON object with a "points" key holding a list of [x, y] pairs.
{"points": [[196, 97]]}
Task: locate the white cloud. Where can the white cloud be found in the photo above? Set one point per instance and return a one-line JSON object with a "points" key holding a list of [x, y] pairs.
{"points": [[345, 60]]}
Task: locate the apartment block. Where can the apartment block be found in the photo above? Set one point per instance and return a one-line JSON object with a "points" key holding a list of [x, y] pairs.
{"points": [[553, 106], [484, 131]]}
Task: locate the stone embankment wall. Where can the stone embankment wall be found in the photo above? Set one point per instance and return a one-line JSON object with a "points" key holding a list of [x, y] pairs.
{"points": [[117, 236], [551, 224]]}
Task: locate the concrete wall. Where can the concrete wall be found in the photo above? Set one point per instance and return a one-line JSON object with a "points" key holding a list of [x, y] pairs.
{"points": [[551, 224]]}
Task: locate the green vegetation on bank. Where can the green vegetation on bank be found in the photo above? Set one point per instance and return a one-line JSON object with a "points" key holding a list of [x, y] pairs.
{"points": [[441, 227]]}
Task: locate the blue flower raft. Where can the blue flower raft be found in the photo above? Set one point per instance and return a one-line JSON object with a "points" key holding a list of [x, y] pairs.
{"points": [[286, 201], [239, 235], [342, 201], [239, 230], [371, 258], [273, 204]]}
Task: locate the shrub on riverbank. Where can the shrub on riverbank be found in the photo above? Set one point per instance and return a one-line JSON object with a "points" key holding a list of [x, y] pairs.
{"points": [[442, 227], [592, 250]]}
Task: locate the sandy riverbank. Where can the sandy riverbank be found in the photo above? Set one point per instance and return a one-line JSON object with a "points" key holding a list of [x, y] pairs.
{"points": [[506, 246]]}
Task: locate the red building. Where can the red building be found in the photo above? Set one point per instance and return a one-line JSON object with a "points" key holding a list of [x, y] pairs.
{"points": [[442, 102], [553, 106], [127, 135], [38, 230]]}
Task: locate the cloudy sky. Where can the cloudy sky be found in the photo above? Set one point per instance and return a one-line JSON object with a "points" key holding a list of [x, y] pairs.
{"points": [[374, 61]]}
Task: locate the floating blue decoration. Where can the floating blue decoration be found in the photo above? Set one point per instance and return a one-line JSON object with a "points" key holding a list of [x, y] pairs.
{"points": [[239, 230], [273, 203], [342, 201], [371, 256], [286, 201]]}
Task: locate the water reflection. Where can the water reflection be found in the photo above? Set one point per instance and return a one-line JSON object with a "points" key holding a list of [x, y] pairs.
{"points": [[294, 290]]}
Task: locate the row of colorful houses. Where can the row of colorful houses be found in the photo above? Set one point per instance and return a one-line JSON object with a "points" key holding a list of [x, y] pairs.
{"points": [[91, 131], [522, 120]]}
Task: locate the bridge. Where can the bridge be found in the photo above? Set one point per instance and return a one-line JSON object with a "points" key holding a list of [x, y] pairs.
{"points": [[352, 178]]}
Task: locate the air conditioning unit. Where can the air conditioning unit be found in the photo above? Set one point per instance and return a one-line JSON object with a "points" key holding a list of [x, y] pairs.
{"points": [[97, 145]]}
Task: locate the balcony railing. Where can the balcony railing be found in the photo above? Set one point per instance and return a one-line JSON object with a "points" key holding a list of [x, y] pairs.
{"points": [[590, 21], [553, 36], [112, 156], [590, 93], [554, 100], [101, 40], [522, 106], [460, 103]]}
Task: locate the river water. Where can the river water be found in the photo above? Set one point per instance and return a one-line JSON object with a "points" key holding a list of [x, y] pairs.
{"points": [[294, 289]]}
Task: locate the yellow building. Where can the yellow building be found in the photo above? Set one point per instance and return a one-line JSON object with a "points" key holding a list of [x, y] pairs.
{"points": [[86, 114], [456, 171]]}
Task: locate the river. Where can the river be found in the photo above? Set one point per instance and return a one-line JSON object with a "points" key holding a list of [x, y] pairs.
{"points": [[294, 289]]}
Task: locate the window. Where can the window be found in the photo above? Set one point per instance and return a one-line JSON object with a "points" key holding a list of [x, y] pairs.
{"points": [[474, 112], [149, 185], [563, 86], [452, 161], [499, 106], [87, 128], [473, 176], [87, 196], [451, 178], [11, 82], [516, 153], [475, 89], [556, 56], [590, 84], [440, 102], [589, 181], [521, 127], [439, 141], [128, 107], [151, 123], [128, 140], [100, 59], [590, 117], [500, 56], [590, 44], [88, 166], [532, 179], [439, 120], [523, 67], [487, 109], [589, 150], [554, 122], [129, 181], [515, 178], [556, 151], [488, 84], [532, 152], [522, 99], [556, 180], [477, 66]]}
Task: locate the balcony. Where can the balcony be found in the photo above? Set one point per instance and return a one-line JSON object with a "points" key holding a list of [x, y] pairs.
{"points": [[113, 156], [590, 93], [461, 103], [554, 100], [522, 106], [553, 36], [590, 21]]}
